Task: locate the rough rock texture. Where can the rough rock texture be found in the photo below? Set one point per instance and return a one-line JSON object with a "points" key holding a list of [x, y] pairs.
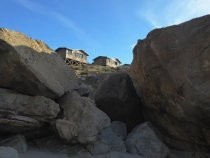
{"points": [[171, 72], [109, 140], [116, 96], [143, 141], [13, 123], [37, 107], [8, 152], [85, 90], [82, 120], [34, 73], [17, 39]]}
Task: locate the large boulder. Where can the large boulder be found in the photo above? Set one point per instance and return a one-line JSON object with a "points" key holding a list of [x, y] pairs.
{"points": [[82, 120], [117, 97], [19, 113], [27, 71], [36, 107], [17, 39], [171, 72]]}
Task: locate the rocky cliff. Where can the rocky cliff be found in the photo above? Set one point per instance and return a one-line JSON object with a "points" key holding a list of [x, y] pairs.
{"points": [[171, 72], [17, 39]]}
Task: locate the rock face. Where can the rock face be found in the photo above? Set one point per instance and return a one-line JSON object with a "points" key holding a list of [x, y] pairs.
{"points": [[17, 39], [34, 73], [144, 141], [116, 96], [38, 107], [20, 112], [82, 120], [171, 73]]}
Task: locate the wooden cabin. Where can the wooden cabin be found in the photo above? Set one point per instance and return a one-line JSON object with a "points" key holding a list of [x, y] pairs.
{"points": [[105, 61], [73, 57]]}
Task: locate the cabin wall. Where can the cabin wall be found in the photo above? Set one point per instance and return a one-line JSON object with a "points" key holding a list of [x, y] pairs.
{"points": [[112, 63], [62, 53], [100, 61], [106, 62], [76, 55]]}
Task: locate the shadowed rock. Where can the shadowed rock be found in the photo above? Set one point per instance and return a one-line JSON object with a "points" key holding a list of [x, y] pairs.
{"points": [[116, 96]]}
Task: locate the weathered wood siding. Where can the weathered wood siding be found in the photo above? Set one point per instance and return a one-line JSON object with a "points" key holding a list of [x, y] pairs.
{"points": [[111, 63], [62, 53], [100, 61], [73, 54], [106, 62], [78, 56]]}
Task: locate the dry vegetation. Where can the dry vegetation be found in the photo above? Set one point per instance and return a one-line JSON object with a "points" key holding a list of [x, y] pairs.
{"points": [[88, 69]]}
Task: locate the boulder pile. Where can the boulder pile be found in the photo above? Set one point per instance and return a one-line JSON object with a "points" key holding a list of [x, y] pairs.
{"points": [[159, 110], [43, 104]]}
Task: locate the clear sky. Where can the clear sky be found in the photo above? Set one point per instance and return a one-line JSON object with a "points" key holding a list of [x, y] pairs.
{"points": [[100, 27]]}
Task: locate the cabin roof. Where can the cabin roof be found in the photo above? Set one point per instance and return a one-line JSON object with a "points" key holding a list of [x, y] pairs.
{"points": [[105, 57], [83, 52], [61, 48], [65, 48]]}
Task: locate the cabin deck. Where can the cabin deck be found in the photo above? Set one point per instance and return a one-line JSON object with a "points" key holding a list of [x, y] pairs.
{"points": [[74, 62]]}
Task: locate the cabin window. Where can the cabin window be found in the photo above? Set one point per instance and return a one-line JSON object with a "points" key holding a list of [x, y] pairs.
{"points": [[78, 55], [115, 63]]}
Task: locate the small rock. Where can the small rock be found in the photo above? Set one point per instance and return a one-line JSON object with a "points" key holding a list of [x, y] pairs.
{"points": [[17, 142], [8, 152], [85, 90], [107, 141], [119, 128], [143, 141]]}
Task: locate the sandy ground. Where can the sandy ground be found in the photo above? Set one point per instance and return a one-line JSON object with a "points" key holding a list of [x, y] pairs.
{"points": [[38, 153]]}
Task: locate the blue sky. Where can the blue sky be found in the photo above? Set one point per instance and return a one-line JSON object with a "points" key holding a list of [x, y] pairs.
{"points": [[100, 27]]}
